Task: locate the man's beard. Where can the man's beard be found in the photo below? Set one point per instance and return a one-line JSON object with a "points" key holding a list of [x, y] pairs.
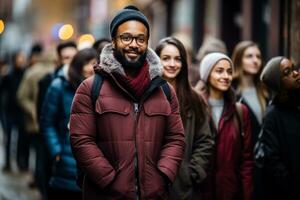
{"points": [[126, 64]]}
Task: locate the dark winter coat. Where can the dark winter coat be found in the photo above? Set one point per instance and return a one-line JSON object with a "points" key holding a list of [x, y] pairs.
{"points": [[281, 139], [231, 171], [198, 150], [54, 126], [126, 148], [8, 90]]}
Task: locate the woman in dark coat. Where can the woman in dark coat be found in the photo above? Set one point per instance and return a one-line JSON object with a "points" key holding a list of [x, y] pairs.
{"points": [[232, 164], [281, 131], [247, 60], [54, 124], [198, 139]]}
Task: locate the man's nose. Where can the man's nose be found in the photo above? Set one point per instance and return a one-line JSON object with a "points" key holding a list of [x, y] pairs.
{"points": [[133, 43]]}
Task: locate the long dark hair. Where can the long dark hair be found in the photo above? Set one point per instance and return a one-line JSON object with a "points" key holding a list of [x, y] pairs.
{"points": [[237, 59], [187, 97], [76, 66]]}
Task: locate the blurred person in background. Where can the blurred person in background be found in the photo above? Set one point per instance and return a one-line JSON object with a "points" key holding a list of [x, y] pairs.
{"points": [[65, 52], [27, 96], [232, 163], [35, 54], [198, 138], [13, 114], [247, 60], [99, 45], [281, 130], [54, 124], [210, 45], [3, 97], [130, 143]]}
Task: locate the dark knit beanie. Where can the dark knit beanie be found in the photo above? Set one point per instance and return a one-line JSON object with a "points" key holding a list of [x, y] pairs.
{"points": [[270, 75], [126, 14]]}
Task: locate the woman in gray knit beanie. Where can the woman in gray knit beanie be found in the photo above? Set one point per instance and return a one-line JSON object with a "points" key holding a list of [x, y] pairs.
{"points": [[280, 136], [270, 76], [233, 159]]}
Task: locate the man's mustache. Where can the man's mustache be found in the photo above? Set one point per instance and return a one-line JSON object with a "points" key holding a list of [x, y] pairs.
{"points": [[132, 50]]}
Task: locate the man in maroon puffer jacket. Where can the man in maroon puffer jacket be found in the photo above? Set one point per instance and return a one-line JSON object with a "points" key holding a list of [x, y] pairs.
{"points": [[131, 142]]}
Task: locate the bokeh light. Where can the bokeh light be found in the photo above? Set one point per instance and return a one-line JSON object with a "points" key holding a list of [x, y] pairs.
{"points": [[85, 41], [66, 32], [2, 26], [86, 38], [55, 30]]}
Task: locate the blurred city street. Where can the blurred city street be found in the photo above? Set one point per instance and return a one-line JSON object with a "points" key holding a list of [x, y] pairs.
{"points": [[47, 48], [14, 184]]}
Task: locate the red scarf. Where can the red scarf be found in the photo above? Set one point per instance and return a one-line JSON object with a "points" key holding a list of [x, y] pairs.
{"points": [[138, 84]]}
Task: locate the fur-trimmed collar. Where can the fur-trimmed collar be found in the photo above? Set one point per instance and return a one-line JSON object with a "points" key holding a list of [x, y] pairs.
{"points": [[109, 64]]}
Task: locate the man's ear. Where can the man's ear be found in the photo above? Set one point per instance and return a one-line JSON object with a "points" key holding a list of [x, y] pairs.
{"points": [[113, 42]]}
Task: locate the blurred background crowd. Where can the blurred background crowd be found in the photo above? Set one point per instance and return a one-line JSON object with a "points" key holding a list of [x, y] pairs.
{"points": [[48, 34], [271, 23]]}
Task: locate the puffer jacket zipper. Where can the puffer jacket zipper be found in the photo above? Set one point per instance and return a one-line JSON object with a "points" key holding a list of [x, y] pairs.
{"points": [[136, 158], [155, 83]]}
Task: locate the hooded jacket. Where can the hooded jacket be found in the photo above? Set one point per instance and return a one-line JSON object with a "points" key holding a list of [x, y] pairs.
{"points": [[198, 151], [55, 116], [126, 148]]}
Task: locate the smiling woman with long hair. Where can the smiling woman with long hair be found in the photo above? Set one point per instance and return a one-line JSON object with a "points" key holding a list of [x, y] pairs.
{"points": [[198, 139], [232, 163]]}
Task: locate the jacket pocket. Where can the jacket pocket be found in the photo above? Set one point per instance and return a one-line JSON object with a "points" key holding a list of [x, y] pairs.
{"points": [[157, 108], [112, 105], [156, 187]]}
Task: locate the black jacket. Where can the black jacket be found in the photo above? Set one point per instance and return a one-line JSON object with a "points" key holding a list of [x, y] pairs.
{"points": [[281, 139]]}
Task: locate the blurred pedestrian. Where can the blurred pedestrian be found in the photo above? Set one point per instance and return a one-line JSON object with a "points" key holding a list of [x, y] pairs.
{"points": [[232, 163], [27, 96], [54, 124], [131, 142], [198, 138], [211, 44], [65, 53], [3, 72], [99, 45], [247, 60], [281, 128], [13, 115]]}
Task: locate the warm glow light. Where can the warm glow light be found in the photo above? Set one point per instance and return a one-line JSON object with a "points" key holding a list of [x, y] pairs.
{"points": [[65, 32], [86, 38], [2, 26], [85, 41]]}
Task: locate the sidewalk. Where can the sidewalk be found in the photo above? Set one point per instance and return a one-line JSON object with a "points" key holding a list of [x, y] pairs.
{"points": [[14, 185]]}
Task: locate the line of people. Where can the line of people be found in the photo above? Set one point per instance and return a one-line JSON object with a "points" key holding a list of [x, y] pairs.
{"points": [[232, 135]]}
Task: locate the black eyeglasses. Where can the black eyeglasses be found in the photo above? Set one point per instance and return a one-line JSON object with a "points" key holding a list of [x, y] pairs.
{"points": [[127, 39], [289, 70]]}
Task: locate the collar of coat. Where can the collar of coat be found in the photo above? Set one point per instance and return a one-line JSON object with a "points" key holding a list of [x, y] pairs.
{"points": [[109, 64]]}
